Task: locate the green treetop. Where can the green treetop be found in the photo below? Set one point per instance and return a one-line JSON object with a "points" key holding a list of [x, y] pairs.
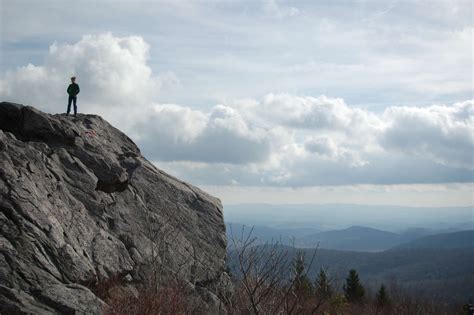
{"points": [[382, 299], [353, 289], [302, 284], [323, 285]]}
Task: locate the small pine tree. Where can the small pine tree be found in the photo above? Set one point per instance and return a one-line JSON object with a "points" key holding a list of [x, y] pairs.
{"points": [[381, 298], [302, 284], [322, 285], [353, 289]]}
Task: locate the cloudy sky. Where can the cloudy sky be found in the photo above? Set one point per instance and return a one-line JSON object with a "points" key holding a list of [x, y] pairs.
{"points": [[367, 102]]}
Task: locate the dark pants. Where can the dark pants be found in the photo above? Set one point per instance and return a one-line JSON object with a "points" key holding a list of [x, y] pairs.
{"points": [[72, 99]]}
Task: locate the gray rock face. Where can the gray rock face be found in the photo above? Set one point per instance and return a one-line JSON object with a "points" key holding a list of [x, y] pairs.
{"points": [[79, 203]]}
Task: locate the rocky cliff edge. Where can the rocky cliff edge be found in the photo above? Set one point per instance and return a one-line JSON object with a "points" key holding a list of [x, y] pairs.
{"points": [[80, 204]]}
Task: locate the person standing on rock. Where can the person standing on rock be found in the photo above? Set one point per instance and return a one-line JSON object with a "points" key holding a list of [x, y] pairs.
{"points": [[72, 90]]}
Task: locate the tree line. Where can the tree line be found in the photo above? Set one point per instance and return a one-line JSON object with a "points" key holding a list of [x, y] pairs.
{"points": [[270, 280]]}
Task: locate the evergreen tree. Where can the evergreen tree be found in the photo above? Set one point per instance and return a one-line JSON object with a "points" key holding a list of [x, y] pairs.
{"points": [[382, 299], [322, 285], [353, 289], [302, 285]]}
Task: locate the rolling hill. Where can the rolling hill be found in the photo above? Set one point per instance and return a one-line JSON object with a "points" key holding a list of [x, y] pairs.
{"points": [[455, 240], [355, 238], [444, 274]]}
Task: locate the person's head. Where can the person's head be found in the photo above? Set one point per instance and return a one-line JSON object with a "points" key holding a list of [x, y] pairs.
{"points": [[73, 79]]}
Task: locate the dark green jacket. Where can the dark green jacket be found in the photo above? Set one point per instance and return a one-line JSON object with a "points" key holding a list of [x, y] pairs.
{"points": [[73, 89]]}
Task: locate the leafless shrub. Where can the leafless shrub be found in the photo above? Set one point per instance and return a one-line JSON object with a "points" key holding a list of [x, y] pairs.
{"points": [[172, 299], [267, 276]]}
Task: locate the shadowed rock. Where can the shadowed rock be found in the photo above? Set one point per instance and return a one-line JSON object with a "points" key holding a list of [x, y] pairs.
{"points": [[79, 203]]}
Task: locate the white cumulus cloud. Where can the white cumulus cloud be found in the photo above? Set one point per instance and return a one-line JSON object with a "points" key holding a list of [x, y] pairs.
{"points": [[442, 133], [173, 132], [112, 72], [280, 139]]}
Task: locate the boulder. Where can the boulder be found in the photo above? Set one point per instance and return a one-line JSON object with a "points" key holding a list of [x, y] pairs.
{"points": [[80, 204]]}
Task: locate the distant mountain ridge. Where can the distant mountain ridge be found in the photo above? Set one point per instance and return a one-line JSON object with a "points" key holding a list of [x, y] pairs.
{"points": [[324, 217], [355, 238], [462, 239], [266, 234]]}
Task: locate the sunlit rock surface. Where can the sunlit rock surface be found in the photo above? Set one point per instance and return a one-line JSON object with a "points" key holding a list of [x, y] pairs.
{"points": [[79, 204]]}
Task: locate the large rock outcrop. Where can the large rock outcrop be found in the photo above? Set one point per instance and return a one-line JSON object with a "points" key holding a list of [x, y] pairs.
{"points": [[79, 204]]}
